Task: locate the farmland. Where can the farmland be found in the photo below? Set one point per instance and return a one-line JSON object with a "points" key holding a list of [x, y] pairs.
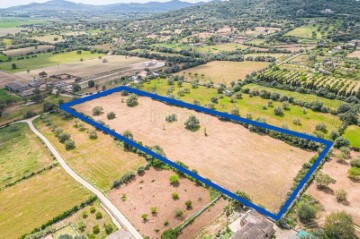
{"points": [[252, 106], [49, 38], [153, 190], [26, 50], [220, 48], [192, 147], [99, 165], [35, 201], [305, 31], [30, 156], [9, 22], [223, 71], [46, 59]]}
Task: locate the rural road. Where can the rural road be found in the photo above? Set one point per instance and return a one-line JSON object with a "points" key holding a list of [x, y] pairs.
{"points": [[115, 213]]}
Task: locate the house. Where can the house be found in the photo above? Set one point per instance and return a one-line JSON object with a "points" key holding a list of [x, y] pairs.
{"points": [[16, 87], [254, 226]]}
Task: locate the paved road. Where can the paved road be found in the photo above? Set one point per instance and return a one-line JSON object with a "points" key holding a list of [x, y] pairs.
{"points": [[115, 213]]}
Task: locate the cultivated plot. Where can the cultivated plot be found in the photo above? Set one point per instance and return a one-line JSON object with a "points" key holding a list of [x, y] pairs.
{"points": [[226, 153]]}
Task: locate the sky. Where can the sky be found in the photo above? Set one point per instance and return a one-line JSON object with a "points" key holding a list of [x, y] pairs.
{"points": [[9, 3]]}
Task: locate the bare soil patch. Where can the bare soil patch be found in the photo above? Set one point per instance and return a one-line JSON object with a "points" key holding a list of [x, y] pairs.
{"points": [[26, 50], [355, 54], [230, 155], [153, 189], [327, 198]]}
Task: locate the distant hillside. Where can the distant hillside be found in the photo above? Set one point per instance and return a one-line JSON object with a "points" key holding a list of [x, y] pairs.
{"points": [[63, 5]]}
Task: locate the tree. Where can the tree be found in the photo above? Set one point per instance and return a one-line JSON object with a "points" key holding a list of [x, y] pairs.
{"points": [[132, 100], [97, 110], [76, 87], [29, 114], [174, 179], [14, 66], [98, 215], [339, 225], [306, 212], [91, 83], [341, 195], [323, 180], [171, 118], [340, 142], [127, 134], [37, 98], [111, 115], [321, 127], [43, 74], [93, 134], [96, 229], [192, 123], [63, 137], [47, 107], [108, 229], [278, 111]]}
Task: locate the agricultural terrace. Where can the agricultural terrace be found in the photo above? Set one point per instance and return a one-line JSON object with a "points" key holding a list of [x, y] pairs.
{"points": [[306, 31], [89, 67], [37, 200], [222, 71], [352, 133], [265, 173], [99, 161], [26, 50], [30, 155], [256, 107], [46, 59], [164, 204], [331, 104]]}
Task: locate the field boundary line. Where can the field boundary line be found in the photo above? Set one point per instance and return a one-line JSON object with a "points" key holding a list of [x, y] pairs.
{"points": [[275, 216]]}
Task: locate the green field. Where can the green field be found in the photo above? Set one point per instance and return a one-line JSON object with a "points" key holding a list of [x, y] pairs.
{"points": [[98, 165], [174, 46], [352, 133], [155, 52], [306, 32], [12, 22], [220, 48], [3, 57], [253, 106], [4, 95], [331, 104], [30, 155], [47, 59], [35, 201]]}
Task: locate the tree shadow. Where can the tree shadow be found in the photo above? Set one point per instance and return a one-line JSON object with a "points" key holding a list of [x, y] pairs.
{"points": [[326, 190]]}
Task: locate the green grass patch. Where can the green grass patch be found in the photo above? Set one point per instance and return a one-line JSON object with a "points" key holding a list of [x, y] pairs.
{"points": [[331, 104], [4, 95], [352, 133], [47, 59], [250, 105], [3, 58], [21, 153], [12, 22], [226, 47]]}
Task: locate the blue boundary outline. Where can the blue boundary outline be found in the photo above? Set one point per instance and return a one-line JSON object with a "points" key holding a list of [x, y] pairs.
{"points": [[328, 144]]}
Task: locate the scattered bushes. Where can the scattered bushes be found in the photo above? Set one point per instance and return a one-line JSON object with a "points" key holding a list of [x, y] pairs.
{"points": [[341, 195], [111, 115], [171, 118], [124, 179], [174, 179], [132, 100], [97, 110], [192, 123], [306, 212]]}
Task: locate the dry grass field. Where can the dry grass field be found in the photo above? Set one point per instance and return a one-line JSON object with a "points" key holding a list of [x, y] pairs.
{"points": [[355, 54], [99, 161], [223, 71], [5, 31], [86, 68], [153, 189], [8, 77], [237, 159], [35, 201], [26, 50], [327, 198], [50, 38]]}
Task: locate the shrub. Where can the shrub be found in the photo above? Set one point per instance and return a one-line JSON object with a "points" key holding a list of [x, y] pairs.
{"points": [[341, 195], [355, 163], [97, 110], [63, 137], [297, 121], [141, 170], [179, 213], [29, 114], [306, 212], [235, 111], [96, 229], [354, 173], [340, 142], [47, 107], [98, 215], [93, 134], [144, 217], [108, 229], [174, 179], [321, 127], [111, 115], [92, 210], [171, 118], [323, 180], [192, 123], [69, 144], [153, 210], [132, 100], [170, 234], [175, 196], [85, 215], [339, 225]]}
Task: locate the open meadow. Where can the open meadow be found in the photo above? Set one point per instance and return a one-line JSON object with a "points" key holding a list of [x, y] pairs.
{"points": [[222, 71], [250, 105], [352, 133], [153, 190], [30, 155], [99, 161], [37, 200], [265, 173]]}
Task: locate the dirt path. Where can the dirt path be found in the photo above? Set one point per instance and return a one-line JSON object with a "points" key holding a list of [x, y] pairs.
{"points": [[114, 212]]}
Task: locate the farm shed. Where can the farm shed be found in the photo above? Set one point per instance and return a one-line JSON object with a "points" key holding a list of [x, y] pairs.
{"points": [[16, 87]]}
